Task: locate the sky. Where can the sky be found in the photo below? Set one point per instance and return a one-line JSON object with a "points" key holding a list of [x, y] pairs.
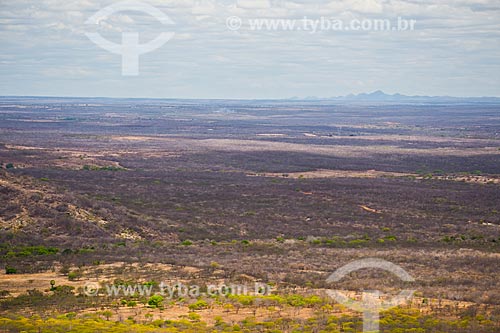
{"points": [[213, 51]]}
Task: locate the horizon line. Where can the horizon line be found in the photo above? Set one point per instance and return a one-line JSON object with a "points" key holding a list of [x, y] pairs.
{"points": [[293, 98]]}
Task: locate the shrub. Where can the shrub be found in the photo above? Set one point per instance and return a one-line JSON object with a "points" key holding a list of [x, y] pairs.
{"points": [[98, 168], [194, 317], [448, 239], [75, 275], [155, 301], [198, 305], [357, 242], [36, 251], [65, 270], [108, 314], [10, 270]]}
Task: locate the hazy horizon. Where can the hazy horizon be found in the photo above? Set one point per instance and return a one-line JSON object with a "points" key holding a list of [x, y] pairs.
{"points": [[299, 98]]}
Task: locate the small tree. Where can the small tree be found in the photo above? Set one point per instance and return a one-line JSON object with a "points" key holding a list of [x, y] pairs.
{"points": [[155, 301], [107, 314]]}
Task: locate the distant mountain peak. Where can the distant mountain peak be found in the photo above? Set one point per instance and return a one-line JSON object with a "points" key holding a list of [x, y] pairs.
{"points": [[380, 96], [377, 95]]}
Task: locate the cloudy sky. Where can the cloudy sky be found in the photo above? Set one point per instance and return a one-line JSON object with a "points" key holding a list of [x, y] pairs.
{"points": [[453, 50]]}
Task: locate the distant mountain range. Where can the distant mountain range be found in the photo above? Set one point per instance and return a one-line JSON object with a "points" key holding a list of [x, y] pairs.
{"points": [[374, 97], [380, 96]]}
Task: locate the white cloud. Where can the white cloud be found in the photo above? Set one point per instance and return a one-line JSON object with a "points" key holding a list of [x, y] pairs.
{"points": [[254, 4], [362, 6], [204, 8], [454, 39]]}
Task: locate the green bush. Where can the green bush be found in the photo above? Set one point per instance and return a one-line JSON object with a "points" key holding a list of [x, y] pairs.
{"points": [[198, 305], [75, 275], [34, 251], [10, 270], [155, 301]]}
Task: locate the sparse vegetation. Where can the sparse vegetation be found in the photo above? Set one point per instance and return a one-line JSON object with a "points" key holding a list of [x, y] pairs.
{"points": [[126, 206], [103, 168]]}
